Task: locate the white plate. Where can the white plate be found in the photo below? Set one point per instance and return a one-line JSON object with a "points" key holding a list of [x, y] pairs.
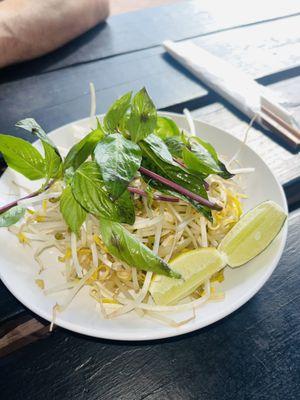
{"points": [[18, 270]]}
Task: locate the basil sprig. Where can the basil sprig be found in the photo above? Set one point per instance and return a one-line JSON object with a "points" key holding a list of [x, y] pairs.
{"points": [[142, 118], [53, 159], [84, 148], [127, 248], [91, 193], [22, 157], [201, 156], [115, 114], [118, 159], [166, 128], [73, 213], [157, 158]]}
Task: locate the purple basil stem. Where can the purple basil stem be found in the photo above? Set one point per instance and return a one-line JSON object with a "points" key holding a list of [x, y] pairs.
{"points": [[180, 189], [8, 206]]}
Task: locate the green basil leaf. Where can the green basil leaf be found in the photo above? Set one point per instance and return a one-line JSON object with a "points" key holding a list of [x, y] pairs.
{"points": [[143, 116], [11, 216], [127, 248], [157, 158], [126, 210], [22, 157], [71, 210], [68, 175], [201, 157], [89, 190], [157, 146], [52, 157], [118, 159], [53, 161], [83, 149], [116, 113], [30, 125], [175, 146], [166, 128]]}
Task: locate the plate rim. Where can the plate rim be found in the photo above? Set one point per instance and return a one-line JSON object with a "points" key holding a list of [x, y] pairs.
{"points": [[157, 335]]}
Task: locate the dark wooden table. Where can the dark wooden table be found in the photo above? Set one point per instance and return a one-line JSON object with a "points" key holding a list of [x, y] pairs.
{"points": [[252, 354]]}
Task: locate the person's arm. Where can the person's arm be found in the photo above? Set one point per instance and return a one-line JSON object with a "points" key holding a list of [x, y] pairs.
{"points": [[30, 28]]}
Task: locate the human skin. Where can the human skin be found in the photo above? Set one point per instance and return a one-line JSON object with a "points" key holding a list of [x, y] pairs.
{"points": [[31, 28]]}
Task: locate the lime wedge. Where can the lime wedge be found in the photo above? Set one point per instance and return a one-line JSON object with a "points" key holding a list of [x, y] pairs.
{"points": [[253, 233], [194, 266]]}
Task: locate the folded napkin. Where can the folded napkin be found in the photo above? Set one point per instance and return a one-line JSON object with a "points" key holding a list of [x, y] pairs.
{"points": [[232, 84]]}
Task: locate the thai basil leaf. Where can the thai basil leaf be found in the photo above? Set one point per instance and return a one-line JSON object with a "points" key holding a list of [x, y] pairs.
{"points": [[166, 128], [202, 157], [11, 216], [71, 210], [127, 248], [143, 116], [175, 146], [157, 158], [53, 161], [157, 146], [126, 210], [118, 159], [52, 157], [22, 157], [83, 149], [68, 175], [116, 113], [30, 125], [89, 190]]}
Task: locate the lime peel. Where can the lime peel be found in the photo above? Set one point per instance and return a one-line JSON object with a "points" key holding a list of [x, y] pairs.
{"points": [[254, 232], [249, 237], [195, 267]]}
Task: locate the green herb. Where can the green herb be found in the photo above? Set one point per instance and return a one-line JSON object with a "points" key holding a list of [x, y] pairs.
{"points": [[175, 146], [157, 147], [143, 116], [89, 190], [202, 157], [71, 210], [116, 113], [53, 161], [22, 157], [127, 248], [52, 157], [11, 216], [118, 159], [83, 149], [166, 128], [157, 158]]}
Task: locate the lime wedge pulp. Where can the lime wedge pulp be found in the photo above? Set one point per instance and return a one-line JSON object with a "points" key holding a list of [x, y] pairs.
{"points": [[253, 233], [195, 266]]}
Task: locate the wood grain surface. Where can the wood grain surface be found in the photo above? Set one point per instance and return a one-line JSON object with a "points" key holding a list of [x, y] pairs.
{"points": [[62, 96], [144, 29], [252, 354]]}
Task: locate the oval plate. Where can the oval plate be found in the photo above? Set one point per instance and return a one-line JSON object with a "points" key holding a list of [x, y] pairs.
{"points": [[18, 270]]}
